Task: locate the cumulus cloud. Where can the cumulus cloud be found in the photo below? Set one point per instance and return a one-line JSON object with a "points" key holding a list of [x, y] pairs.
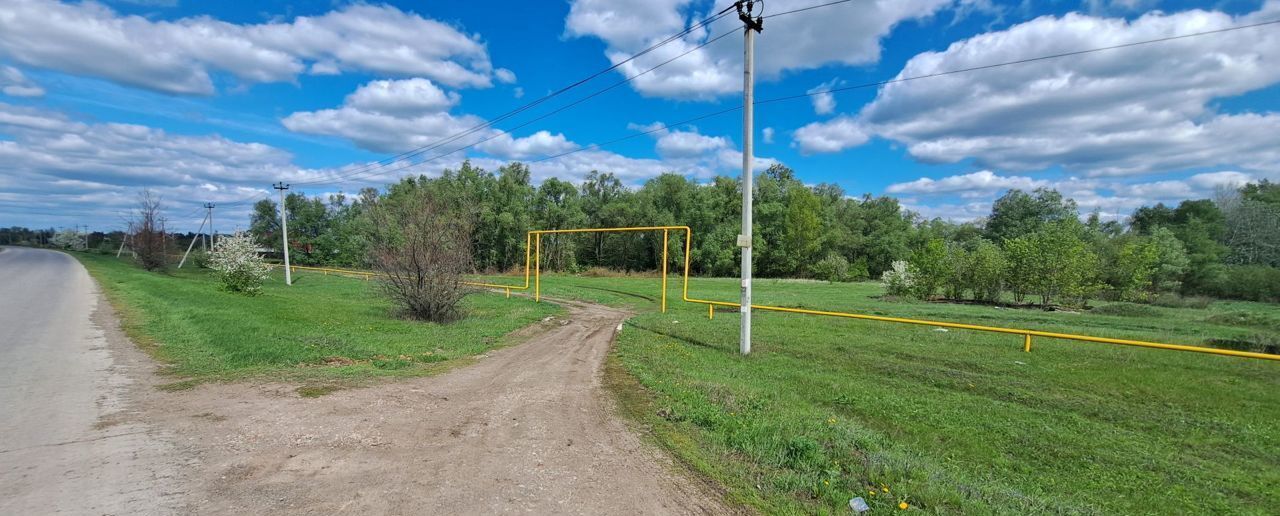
{"points": [[179, 56], [1115, 198], [843, 34], [981, 182], [824, 102], [383, 132], [1137, 110], [695, 154], [403, 115], [16, 84], [539, 144], [504, 75], [688, 144], [767, 134], [403, 97], [92, 171], [832, 135]]}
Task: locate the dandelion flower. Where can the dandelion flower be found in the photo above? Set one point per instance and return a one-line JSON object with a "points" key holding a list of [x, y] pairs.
{"points": [[903, 505], [885, 488]]}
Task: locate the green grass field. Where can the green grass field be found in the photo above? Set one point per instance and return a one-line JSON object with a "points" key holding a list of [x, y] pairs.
{"points": [[950, 422], [824, 409], [323, 330]]}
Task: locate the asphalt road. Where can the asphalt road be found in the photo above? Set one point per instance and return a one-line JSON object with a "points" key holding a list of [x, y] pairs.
{"points": [[69, 441]]}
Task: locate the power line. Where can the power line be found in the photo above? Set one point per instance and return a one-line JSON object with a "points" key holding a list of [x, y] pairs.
{"points": [[560, 109], [663, 127], [375, 171], [426, 148]]}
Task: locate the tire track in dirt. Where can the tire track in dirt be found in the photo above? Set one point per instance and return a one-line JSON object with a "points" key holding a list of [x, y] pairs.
{"points": [[528, 428]]}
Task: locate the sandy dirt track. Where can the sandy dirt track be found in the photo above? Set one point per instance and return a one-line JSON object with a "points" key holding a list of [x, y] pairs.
{"points": [[527, 429]]}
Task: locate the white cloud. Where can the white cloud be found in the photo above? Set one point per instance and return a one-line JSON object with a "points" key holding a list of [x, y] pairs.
{"points": [[657, 128], [15, 84], [981, 182], [767, 133], [92, 171], [688, 144], [387, 133], [824, 102], [833, 135], [695, 154], [179, 56], [1229, 179], [504, 75], [730, 162], [840, 34], [1136, 110], [1115, 198], [403, 97], [539, 144]]}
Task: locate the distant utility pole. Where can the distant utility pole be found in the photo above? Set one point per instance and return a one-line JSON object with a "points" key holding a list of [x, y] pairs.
{"points": [[193, 241], [212, 235], [751, 27], [284, 232]]}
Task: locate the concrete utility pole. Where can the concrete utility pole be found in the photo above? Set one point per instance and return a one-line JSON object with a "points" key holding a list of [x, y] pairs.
{"points": [[284, 232], [193, 242], [212, 235], [751, 27]]}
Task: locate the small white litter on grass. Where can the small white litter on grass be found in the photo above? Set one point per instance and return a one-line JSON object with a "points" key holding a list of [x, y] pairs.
{"points": [[941, 330], [859, 505]]}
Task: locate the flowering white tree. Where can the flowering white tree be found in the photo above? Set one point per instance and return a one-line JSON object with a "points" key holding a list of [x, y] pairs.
{"points": [[238, 264], [70, 239], [898, 280]]}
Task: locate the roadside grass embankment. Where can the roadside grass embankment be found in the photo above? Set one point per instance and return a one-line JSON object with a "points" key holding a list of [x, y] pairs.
{"points": [[949, 421], [324, 331]]}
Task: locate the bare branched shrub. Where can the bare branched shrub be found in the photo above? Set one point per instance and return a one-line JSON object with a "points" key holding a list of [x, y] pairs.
{"points": [[423, 247], [149, 240]]}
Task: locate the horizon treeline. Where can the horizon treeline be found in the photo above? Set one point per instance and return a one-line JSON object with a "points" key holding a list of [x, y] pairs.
{"points": [[1228, 242], [1228, 246]]}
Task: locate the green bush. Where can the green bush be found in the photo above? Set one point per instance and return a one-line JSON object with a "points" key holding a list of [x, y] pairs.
{"points": [[1248, 282], [831, 269], [929, 268]]}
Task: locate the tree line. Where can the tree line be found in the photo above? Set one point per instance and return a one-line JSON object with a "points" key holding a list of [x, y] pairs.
{"points": [[1034, 246]]}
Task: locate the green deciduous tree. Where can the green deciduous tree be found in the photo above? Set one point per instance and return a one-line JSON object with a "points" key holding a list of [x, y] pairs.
{"points": [[1018, 213]]}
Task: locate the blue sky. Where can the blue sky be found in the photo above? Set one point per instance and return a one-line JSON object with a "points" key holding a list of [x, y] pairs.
{"points": [[214, 101]]}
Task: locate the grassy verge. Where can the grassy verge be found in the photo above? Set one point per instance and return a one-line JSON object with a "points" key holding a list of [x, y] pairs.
{"points": [[949, 422], [324, 330]]}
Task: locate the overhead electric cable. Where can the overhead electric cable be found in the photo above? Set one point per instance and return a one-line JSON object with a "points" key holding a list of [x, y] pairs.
{"points": [[663, 127], [544, 116], [479, 127]]}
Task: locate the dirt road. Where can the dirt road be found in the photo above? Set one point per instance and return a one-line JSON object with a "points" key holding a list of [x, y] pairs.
{"points": [[71, 440], [527, 429]]}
